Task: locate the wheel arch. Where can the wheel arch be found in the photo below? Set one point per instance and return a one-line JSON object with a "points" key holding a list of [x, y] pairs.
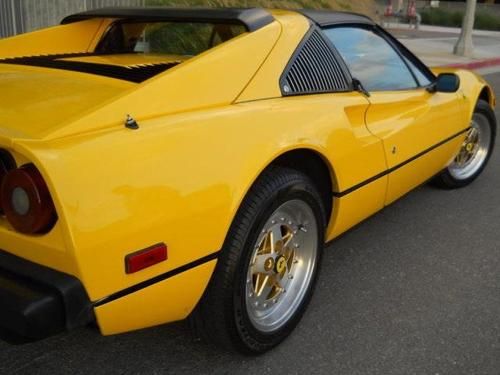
{"points": [[312, 163], [473, 88], [487, 95], [316, 167]]}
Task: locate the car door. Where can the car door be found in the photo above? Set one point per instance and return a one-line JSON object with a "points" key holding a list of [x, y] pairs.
{"points": [[318, 101], [418, 128]]}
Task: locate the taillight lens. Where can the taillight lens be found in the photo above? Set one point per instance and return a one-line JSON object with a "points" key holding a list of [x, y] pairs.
{"points": [[7, 163], [26, 201]]}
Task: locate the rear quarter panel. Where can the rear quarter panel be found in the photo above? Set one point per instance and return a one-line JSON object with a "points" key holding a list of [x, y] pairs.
{"points": [[181, 178]]}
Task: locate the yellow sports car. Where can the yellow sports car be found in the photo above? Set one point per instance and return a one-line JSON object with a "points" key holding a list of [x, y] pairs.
{"points": [[159, 164]]}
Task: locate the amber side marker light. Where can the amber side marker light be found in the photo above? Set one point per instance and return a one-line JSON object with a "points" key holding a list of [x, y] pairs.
{"points": [[26, 201], [142, 259]]}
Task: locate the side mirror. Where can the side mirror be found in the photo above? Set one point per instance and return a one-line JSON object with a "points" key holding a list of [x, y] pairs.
{"points": [[446, 82]]}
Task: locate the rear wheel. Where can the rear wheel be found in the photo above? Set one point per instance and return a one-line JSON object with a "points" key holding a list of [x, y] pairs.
{"points": [[475, 151], [265, 276]]}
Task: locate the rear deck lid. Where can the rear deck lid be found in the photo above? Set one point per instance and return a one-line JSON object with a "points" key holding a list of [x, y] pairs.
{"points": [[36, 101]]}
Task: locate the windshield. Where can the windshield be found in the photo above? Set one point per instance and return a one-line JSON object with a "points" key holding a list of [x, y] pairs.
{"points": [[169, 38]]}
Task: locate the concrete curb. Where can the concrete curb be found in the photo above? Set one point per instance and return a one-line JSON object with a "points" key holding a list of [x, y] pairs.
{"points": [[474, 65]]}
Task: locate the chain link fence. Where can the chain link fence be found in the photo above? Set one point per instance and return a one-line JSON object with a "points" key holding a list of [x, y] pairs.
{"points": [[20, 16]]}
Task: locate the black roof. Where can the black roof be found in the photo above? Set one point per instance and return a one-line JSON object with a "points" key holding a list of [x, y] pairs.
{"points": [[328, 18], [252, 18]]}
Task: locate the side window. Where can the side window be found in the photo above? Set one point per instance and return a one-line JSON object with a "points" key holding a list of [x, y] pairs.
{"points": [[314, 69], [371, 59], [422, 78]]}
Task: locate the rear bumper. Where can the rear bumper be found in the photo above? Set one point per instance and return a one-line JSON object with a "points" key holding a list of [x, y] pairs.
{"points": [[37, 302]]}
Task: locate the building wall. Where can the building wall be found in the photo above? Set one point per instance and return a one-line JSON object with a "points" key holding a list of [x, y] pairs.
{"points": [[10, 20], [19, 16]]}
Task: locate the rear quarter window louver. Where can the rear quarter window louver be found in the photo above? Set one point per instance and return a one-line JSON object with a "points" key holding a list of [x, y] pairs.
{"points": [[314, 69]]}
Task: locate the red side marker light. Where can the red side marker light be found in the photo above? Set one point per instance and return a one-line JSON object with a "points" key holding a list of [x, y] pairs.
{"points": [[142, 259]]}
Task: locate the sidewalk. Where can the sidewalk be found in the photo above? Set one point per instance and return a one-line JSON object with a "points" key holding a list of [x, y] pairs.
{"points": [[434, 45], [442, 29]]}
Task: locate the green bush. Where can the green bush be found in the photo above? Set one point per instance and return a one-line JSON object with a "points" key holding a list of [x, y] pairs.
{"points": [[363, 6], [450, 18], [487, 21], [249, 3], [441, 17]]}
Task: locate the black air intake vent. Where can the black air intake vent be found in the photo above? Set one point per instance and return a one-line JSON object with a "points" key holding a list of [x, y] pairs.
{"points": [[136, 73], [315, 69]]}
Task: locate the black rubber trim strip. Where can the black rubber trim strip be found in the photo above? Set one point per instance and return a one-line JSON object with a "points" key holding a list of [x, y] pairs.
{"points": [[156, 279], [395, 168], [252, 18]]}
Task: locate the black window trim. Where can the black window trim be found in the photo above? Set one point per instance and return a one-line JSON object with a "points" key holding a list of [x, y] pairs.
{"points": [[398, 47], [338, 58]]}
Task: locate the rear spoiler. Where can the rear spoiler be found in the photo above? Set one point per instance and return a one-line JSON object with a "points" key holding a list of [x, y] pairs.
{"points": [[252, 18]]}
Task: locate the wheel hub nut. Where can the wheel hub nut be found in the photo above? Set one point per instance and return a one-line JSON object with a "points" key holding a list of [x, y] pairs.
{"points": [[280, 265], [269, 264]]}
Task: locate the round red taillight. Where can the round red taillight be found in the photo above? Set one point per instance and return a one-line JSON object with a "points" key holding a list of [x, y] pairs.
{"points": [[7, 163], [26, 201]]}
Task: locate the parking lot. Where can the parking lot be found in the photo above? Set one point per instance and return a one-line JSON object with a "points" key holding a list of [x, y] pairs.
{"points": [[413, 290]]}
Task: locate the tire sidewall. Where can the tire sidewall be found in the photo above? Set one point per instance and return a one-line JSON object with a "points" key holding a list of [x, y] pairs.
{"points": [[255, 340], [484, 109]]}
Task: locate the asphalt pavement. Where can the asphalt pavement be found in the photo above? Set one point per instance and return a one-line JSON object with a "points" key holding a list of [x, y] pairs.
{"points": [[413, 290]]}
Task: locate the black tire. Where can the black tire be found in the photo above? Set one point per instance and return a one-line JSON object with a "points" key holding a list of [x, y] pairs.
{"points": [[445, 179], [221, 317]]}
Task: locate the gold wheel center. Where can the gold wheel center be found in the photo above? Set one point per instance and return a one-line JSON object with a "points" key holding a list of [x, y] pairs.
{"points": [[469, 147], [269, 264], [280, 265]]}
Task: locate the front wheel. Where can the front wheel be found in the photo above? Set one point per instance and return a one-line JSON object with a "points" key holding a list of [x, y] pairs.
{"points": [[475, 151], [265, 276]]}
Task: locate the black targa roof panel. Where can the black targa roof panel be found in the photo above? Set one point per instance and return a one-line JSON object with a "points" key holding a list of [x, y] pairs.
{"points": [[329, 18], [252, 18]]}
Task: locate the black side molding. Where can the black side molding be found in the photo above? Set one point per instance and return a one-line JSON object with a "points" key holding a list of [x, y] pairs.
{"points": [[157, 279], [252, 18], [395, 168]]}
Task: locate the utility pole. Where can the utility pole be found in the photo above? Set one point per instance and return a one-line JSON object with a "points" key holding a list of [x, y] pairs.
{"points": [[464, 46]]}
